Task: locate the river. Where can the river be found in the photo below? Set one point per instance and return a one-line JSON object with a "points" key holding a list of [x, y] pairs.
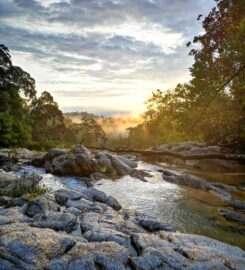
{"points": [[188, 210]]}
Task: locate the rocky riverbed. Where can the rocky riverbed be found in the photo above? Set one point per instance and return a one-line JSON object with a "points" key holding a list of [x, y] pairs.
{"points": [[77, 226]]}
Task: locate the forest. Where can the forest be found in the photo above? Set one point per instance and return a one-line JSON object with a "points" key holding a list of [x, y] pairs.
{"points": [[209, 108]]}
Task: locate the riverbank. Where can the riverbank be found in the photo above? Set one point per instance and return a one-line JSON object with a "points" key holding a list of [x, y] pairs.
{"points": [[88, 227]]}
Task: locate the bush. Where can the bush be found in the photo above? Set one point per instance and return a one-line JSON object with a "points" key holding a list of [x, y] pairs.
{"points": [[26, 185]]}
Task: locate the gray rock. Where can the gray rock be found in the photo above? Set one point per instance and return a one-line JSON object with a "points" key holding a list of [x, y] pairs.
{"points": [[12, 215], [31, 248], [100, 196], [72, 164], [5, 201], [195, 182], [183, 251], [105, 164], [8, 201], [92, 256], [232, 216], [40, 205], [237, 204], [73, 210], [62, 196], [8, 181], [193, 148], [80, 149], [57, 221], [131, 163], [38, 162], [82, 204], [120, 167], [54, 152], [153, 225], [105, 235]]}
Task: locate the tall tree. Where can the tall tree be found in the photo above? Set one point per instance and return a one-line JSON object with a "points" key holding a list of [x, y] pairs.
{"points": [[46, 118], [17, 88], [219, 73]]}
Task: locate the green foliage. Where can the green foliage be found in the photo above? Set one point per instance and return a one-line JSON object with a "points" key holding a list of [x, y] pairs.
{"points": [[211, 107], [14, 82], [31, 192], [92, 133], [46, 118], [6, 129]]}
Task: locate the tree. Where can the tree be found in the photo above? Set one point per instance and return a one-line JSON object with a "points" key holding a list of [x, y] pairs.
{"points": [[219, 73], [46, 118], [92, 133], [17, 88], [211, 107]]}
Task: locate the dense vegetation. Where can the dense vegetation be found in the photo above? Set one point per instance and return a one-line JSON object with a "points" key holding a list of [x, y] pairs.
{"points": [[209, 108], [36, 122]]}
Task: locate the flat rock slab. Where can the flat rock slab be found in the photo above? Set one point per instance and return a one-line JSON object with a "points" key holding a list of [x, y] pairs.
{"points": [[30, 248]]}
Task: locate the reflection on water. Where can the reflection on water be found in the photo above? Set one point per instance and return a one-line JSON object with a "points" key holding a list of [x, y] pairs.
{"points": [[188, 210]]}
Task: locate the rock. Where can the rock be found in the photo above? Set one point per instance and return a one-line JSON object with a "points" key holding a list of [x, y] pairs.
{"points": [[193, 148], [31, 248], [79, 161], [73, 210], [38, 162], [105, 164], [92, 256], [153, 225], [183, 251], [4, 159], [237, 204], [8, 201], [71, 164], [120, 167], [40, 205], [56, 221], [8, 181], [12, 215], [5, 200], [62, 196], [80, 149], [105, 235], [82, 204], [212, 164], [100, 196], [128, 161], [55, 152], [232, 216], [195, 182]]}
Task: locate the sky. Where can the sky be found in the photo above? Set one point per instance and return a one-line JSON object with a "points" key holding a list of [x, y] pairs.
{"points": [[102, 56]]}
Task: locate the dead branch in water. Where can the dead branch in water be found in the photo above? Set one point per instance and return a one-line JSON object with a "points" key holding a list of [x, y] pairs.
{"points": [[238, 158]]}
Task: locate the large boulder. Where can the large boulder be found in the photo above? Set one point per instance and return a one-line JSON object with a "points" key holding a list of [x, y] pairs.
{"points": [[79, 161], [184, 251], [25, 247], [92, 256]]}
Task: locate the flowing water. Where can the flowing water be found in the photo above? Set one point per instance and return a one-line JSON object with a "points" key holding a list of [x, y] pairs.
{"points": [[188, 210]]}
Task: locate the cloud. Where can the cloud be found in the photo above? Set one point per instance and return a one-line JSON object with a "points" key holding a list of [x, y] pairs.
{"points": [[85, 51]]}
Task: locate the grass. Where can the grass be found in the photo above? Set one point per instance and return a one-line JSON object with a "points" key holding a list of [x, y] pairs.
{"points": [[26, 185], [34, 192]]}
